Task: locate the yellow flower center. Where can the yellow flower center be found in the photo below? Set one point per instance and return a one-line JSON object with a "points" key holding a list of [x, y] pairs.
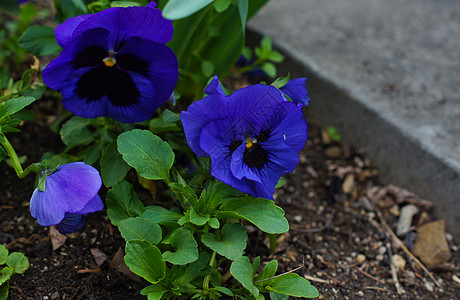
{"points": [[250, 142], [110, 61]]}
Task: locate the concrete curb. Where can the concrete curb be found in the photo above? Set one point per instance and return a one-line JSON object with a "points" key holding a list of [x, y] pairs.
{"points": [[401, 158]]}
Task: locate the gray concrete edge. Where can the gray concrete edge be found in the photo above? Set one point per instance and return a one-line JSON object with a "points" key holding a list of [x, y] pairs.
{"points": [[402, 160]]}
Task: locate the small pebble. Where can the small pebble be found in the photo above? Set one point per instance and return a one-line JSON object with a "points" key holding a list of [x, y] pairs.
{"points": [[398, 261], [379, 257], [298, 218], [429, 286], [54, 296], [360, 293], [381, 250], [449, 236], [360, 258]]}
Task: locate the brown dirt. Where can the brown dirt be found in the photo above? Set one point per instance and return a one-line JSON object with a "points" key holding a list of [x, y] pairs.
{"points": [[330, 229]]}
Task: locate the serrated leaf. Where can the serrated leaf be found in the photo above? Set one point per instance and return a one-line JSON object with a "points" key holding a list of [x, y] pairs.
{"points": [[140, 229], [145, 260], [39, 40], [6, 274], [185, 246], [178, 9], [160, 214], [241, 270], [18, 262], [122, 202], [293, 285], [263, 213], [113, 167], [3, 254], [232, 242], [14, 105], [147, 153]]}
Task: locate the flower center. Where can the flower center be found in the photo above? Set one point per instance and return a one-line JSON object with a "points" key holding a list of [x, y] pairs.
{"points": [[250, 142], [110, 60]]}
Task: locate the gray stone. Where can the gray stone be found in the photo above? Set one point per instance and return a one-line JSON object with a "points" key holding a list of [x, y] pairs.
{"points": [[405, 219], [385, 73]]}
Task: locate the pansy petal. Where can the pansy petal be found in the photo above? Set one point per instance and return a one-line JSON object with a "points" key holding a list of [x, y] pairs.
{"points": [[198, 115], [93, 205], [47, 208], [297, 91], [293, 128], [253, 105], [241, 170], [125, 22], [155, 61], [81, 52], [71, 223], [214, 87], [64, 32]]}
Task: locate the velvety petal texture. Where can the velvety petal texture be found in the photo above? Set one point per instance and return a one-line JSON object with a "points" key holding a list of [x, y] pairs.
{"points": [[252, 136], [71, 189], [297, 91], [114, 63]]}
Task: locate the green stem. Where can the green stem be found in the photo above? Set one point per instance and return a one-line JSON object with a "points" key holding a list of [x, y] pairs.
{"points": [[273, 242], [212, 263], [15, 159]]}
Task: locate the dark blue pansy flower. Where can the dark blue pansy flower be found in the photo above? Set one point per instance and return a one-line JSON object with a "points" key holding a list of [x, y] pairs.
{"points": [[65, 196], [114, 63], [297, 91], [252, 136], [22, 1]]}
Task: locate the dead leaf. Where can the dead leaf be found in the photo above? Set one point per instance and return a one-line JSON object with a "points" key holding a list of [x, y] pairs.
{"points": [[99, 256], [118, 263], [57, 239]]}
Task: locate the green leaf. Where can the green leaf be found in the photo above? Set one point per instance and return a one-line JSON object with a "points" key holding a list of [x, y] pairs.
{"points": [[140, 229], [333, 134], [185, 193], [280, 183], [145, 260], [39, 40], [293, 285], [6, 274], [185, 246], [160, 214], [214, 223], [178, 9], [3, 154], [158, 125], [269, 68], [3, 254], [207, 68], [72, 8], [194, 270], [18, 262], [124, 4], [26, 15], [154, 292], [243, 11], [268, 272], [92, 153], [147, 153], [197, 219], [75, 132], [122, 202], [232, 242], [4, 291], [276, 296], [255, 264], [263, 213], [222, 5], [266, 44], [241, 270], [281, 81], [169, 116], [113, 167], [275, 56], [14, 105], [10, 6]]}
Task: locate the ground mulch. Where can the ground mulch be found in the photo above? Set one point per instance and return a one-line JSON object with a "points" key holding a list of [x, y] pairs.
{"points": [[338, 239]]}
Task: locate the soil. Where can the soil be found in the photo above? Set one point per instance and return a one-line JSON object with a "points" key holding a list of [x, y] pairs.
{"points": [[337, 240]]}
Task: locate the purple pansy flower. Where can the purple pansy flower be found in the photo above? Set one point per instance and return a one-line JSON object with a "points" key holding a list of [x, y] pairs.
{"points": [[22, 1], [252, 136], [64, 197], [114, 63], [297, 91]]}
